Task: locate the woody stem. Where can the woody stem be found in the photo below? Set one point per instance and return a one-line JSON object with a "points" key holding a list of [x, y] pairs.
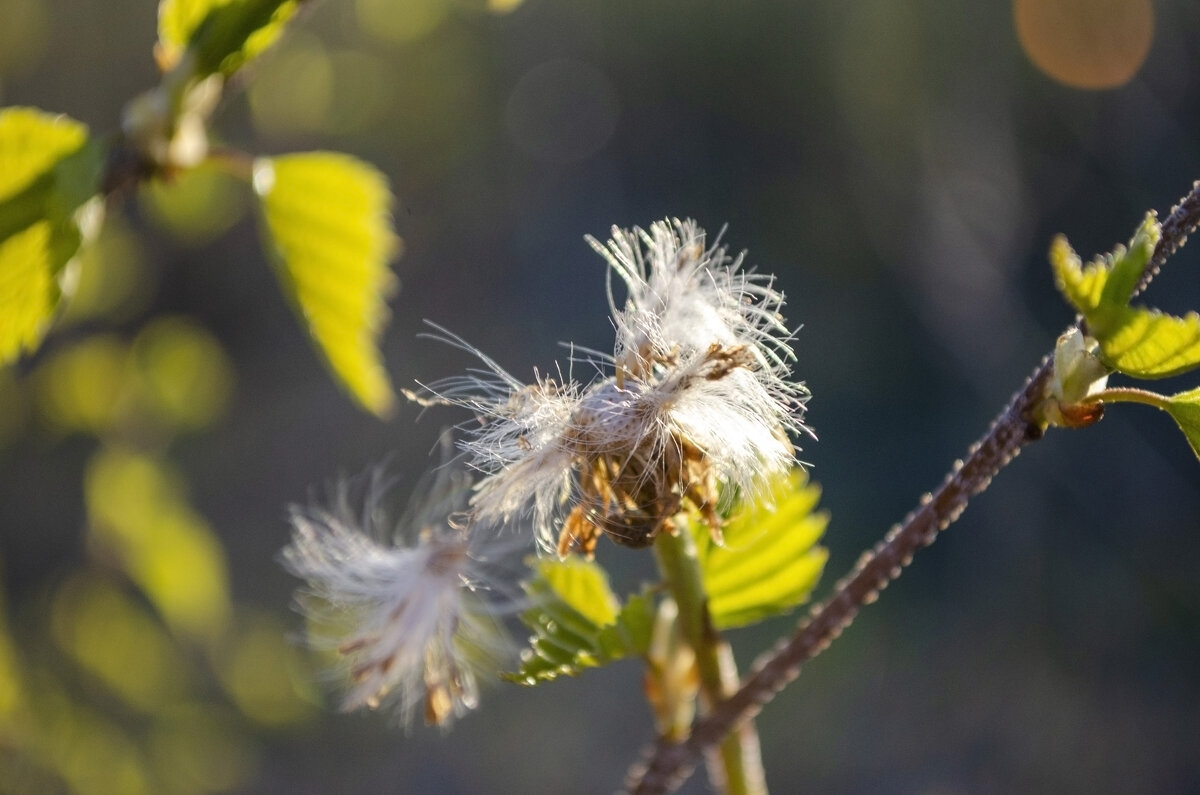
{"points": [[668, 763]]}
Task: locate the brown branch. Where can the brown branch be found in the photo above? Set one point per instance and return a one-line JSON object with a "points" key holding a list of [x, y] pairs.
{"points": [[666, 764]]}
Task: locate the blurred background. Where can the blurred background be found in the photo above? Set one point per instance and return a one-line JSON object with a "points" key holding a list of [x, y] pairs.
{"points": [[900, 164]]}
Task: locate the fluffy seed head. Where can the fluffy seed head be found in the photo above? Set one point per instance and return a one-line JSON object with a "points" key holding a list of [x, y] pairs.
{"points": [[697, 403], [417, 616]]}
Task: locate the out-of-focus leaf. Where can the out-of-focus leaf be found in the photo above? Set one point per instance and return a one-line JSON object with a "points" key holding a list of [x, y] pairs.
{"points": [[631, 632], [12, 686], [28, 290], [137, 511], [1184, 408], [577, 622], [769, 563], [223, 34], [88, 750], [177, 21], [329, 230], [32, 142], [48, 168], [118, 642]]}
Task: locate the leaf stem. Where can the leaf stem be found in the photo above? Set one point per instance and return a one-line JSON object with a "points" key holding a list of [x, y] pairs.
{"points": [[1128, 395], [738, 770], [667, 764]]}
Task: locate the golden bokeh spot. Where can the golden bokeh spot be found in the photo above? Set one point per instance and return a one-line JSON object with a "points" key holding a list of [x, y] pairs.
{"points": [[81, 388], [197, 206], [401, 23], [1091, 44], [293, 90], [187, 377], [23, 35], [114, 280], [118, 642], [266, 676], [503, 6], [139, 514]]}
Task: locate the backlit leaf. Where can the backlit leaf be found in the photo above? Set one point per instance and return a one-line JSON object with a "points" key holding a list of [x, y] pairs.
{"points": [[577, 621], [224, 34], [769, 562], [329, 230], [1104, 286], [32, 142], [47, 170], [28, 290], [581, 585], [1146, 343], [1184, 408]]}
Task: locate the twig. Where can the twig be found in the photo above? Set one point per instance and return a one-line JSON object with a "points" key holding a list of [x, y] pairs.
{"points": [[666, 765]]}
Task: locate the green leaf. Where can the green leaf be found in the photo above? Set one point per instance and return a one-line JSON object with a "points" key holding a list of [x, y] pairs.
{"points": [[1126, 265], [32, 142], [769, 563], [28, 290], [1104, 286], [1184, 408], [1146, 343], [630, 634], [581, 585], [224, 34], [48, 169], [329, 232], [1081, 286], [577, 621]]}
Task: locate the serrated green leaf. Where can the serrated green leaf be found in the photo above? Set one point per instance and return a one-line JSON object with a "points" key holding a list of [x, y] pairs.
{"points": [[578, 622], [1104, 286], [1146, 343], [769, 563], [48, 168], [1081, 286], [630, 634], [1184, 408], [583, 586], [1126, 265], [330, 235], [1141, 342], [224, 34]]}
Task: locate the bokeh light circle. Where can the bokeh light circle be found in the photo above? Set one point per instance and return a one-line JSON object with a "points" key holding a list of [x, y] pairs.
{"points": [[1091, 44]]}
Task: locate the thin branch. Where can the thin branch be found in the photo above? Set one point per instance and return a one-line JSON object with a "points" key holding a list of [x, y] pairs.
{"points": [[1183, 221], [666, 764]]}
